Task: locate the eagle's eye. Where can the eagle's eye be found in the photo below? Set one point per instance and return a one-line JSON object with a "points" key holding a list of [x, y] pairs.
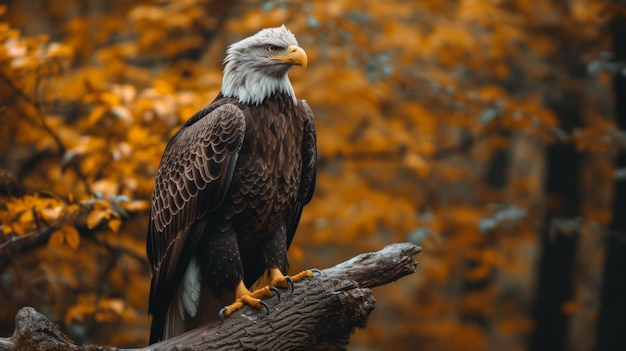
{"points": [[271, 48]]}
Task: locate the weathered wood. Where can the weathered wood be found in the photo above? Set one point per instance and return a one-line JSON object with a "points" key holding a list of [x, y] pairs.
{"points": [[320, 314], [378, 268]]}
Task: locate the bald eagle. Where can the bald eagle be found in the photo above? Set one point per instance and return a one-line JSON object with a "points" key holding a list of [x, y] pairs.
{"points": [[230, 189]]}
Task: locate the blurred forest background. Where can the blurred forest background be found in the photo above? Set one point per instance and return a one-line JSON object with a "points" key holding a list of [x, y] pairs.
{"points": [[490, 132]]}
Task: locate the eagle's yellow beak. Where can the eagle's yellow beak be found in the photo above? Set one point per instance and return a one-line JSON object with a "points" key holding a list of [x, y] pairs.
{"points": [[295, 56]]}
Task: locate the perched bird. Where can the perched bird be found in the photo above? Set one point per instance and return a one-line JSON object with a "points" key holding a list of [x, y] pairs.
{"points": [[230, 189]]}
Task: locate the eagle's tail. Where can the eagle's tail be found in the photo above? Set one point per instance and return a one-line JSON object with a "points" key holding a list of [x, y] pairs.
{"points": [[156, 329], [177, 319], [168, 323]]}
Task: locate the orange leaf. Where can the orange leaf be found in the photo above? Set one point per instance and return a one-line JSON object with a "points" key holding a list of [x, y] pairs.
{"points": [[56, 239], [105, 186], [71, 236], [101, 205], [163, 87], [135, 205], [96, 114], [115, 305], [115, 224], [417, 164], [94, 218], [53, 213], [27, 217], [110, 98]]}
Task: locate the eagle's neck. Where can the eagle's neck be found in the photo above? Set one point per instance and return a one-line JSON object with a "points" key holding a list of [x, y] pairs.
{"points": [[250, 86]]}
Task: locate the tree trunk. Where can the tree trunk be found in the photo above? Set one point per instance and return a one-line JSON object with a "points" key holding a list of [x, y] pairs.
{"points": [[320, 314], [611, 327], [560, 230], [516, 287]]}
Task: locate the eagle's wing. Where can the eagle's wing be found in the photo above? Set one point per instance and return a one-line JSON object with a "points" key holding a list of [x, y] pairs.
{"points": [[192, 180], [309, 170]]}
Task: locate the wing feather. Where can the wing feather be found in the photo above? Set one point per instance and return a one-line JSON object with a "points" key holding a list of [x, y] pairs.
{"points": [[192, 180], [309, 170]]}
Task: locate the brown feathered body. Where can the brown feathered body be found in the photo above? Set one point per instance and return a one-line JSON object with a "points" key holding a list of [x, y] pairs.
{"points": [[227, 199]]}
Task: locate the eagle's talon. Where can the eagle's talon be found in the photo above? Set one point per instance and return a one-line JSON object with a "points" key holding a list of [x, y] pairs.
{"points": [[275, 291], [290, 281], [223, 314], [317, 273], [267, 308]]}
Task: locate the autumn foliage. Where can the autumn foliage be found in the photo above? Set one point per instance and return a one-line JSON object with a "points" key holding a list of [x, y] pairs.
{"points": [[435, 122]]}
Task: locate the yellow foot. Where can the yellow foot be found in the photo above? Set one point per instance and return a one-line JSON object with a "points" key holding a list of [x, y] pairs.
{"points": [[245, 297], [279, 280]]}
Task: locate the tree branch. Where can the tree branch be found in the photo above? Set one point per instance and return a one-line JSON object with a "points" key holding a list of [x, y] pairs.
{"points": [[320, 314], [17, 245]]}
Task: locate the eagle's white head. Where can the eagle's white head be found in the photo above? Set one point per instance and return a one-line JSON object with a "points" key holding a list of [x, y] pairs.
{"points": [[256, 67]]}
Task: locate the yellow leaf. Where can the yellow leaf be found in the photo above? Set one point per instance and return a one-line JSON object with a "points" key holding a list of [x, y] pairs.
{"points": [[135, 205], [115, 305], [53, 213], [115, 224], [163, 87], [71, 235], [56, 239], [101, 205], [417, 164], [94, 218], [26, 217], [97, 113], [110, 98], [21, 228], [105, 186], [56, 50], [123, 113], [136, 133]]}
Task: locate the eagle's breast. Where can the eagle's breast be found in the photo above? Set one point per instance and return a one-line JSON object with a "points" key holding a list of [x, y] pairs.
{"points": [[266, 179]]}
